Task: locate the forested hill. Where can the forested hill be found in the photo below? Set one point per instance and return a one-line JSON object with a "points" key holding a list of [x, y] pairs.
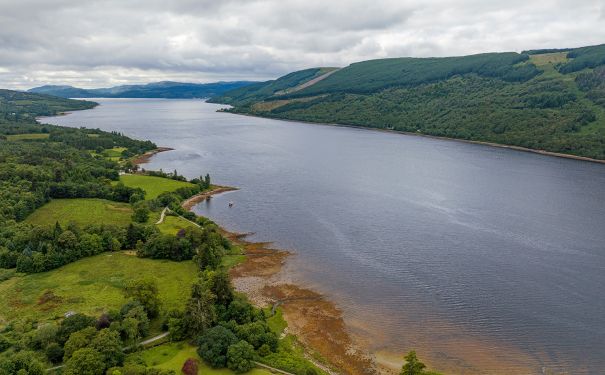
{"points": [[551, 100], [167, 90]]}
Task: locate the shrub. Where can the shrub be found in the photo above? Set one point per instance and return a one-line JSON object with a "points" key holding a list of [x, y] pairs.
{"points": [[190, 367]]}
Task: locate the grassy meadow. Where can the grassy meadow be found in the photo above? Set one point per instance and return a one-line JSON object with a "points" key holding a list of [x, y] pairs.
{"points": [[82, 211], [173, 224], [152, 185], [92, 285]]}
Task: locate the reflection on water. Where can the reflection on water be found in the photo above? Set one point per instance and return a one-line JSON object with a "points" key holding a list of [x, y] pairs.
{"points": [[485, 259]]}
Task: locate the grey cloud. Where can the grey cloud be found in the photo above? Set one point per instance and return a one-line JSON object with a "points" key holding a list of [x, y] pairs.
{"points": [[95, 43]]}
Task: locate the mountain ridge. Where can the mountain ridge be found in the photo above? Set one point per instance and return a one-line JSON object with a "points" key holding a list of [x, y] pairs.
{"points": [[162, 89]]}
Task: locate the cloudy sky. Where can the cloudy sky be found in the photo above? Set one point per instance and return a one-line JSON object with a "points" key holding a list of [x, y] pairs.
{"points": [[92, 43]]}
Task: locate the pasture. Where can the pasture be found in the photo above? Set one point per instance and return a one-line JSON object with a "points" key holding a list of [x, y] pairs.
{"points": [[152, 185], [92, 285], [82, 211]]}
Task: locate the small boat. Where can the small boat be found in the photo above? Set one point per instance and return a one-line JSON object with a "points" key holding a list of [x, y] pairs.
{"points": [[230, 204]]}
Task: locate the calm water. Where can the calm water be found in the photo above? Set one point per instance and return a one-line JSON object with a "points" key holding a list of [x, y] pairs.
{"points": [[466, 252]]}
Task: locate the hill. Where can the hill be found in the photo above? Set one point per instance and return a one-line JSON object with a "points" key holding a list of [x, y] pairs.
{"points": [[167, 90], [552, 100]]}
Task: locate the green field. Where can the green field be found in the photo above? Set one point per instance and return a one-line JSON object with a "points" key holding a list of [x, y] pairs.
{"points": [[27, 137], [172, 356], [82, 211], [92, 285], [115, 152], [152, 185], [173, 224]]}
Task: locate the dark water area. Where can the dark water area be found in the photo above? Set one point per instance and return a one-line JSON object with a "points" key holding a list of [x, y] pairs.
{"points": [[486, 260]]}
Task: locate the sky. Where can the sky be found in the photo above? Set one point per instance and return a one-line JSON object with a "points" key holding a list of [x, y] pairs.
{"points": [[88, 43]]}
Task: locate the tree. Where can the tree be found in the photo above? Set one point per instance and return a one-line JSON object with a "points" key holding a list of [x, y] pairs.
{"points": [[140, 213], [85, 361], [67, 240], [72, 324], [140, 316], [240, 357], [214, 344], [54, 352], [44, 335], [200, 313], [208, 256], [240, 310], [412, 365], [26, 362], [220, 285], [145, 291], [90, 244], [78, 340], [109, 345]]}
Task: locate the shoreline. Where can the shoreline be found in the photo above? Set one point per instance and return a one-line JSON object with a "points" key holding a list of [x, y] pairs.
{"points": [[144, 158], [314, 320], [400, 132], [216, 189]]}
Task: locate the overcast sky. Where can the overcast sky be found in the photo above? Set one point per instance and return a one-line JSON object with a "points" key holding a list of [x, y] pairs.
{"points": [[91, 43]]}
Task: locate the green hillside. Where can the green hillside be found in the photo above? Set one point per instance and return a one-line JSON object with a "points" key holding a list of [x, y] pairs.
{"points": [[552, 100]]}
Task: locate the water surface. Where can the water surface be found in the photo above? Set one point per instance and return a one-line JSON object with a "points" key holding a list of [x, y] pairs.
{"points": [[469, 253]]}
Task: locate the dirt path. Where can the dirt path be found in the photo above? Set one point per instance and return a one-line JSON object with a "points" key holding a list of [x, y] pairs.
{"points": [[162, 216]]}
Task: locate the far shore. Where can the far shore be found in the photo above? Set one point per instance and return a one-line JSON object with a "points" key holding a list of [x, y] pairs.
{"points": [[484, 143]]}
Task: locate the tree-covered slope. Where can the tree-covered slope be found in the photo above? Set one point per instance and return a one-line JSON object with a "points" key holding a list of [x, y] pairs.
{"points": [[552, 100], [166, 90], [278, 87]]}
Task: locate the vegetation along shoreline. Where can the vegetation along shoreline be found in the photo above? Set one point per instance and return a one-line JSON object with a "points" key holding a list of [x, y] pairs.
{"points": [[400, 132]]}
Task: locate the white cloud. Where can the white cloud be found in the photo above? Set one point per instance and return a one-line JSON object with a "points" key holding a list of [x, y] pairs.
{"points": [[107, 42]]}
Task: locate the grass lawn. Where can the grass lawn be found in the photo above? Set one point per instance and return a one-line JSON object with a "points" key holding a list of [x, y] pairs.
{"points": [[26, 137], [152, 185], [92, 285], [82, 211], [115, 152], [173, 224], [172, 356]]}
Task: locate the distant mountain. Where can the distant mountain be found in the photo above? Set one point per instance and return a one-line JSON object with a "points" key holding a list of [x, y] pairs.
{"points": [[549, 99], [166, 89]]}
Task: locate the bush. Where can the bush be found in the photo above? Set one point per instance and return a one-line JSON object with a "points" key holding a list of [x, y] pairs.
{"points": [[190, 367], [240, 357]]}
